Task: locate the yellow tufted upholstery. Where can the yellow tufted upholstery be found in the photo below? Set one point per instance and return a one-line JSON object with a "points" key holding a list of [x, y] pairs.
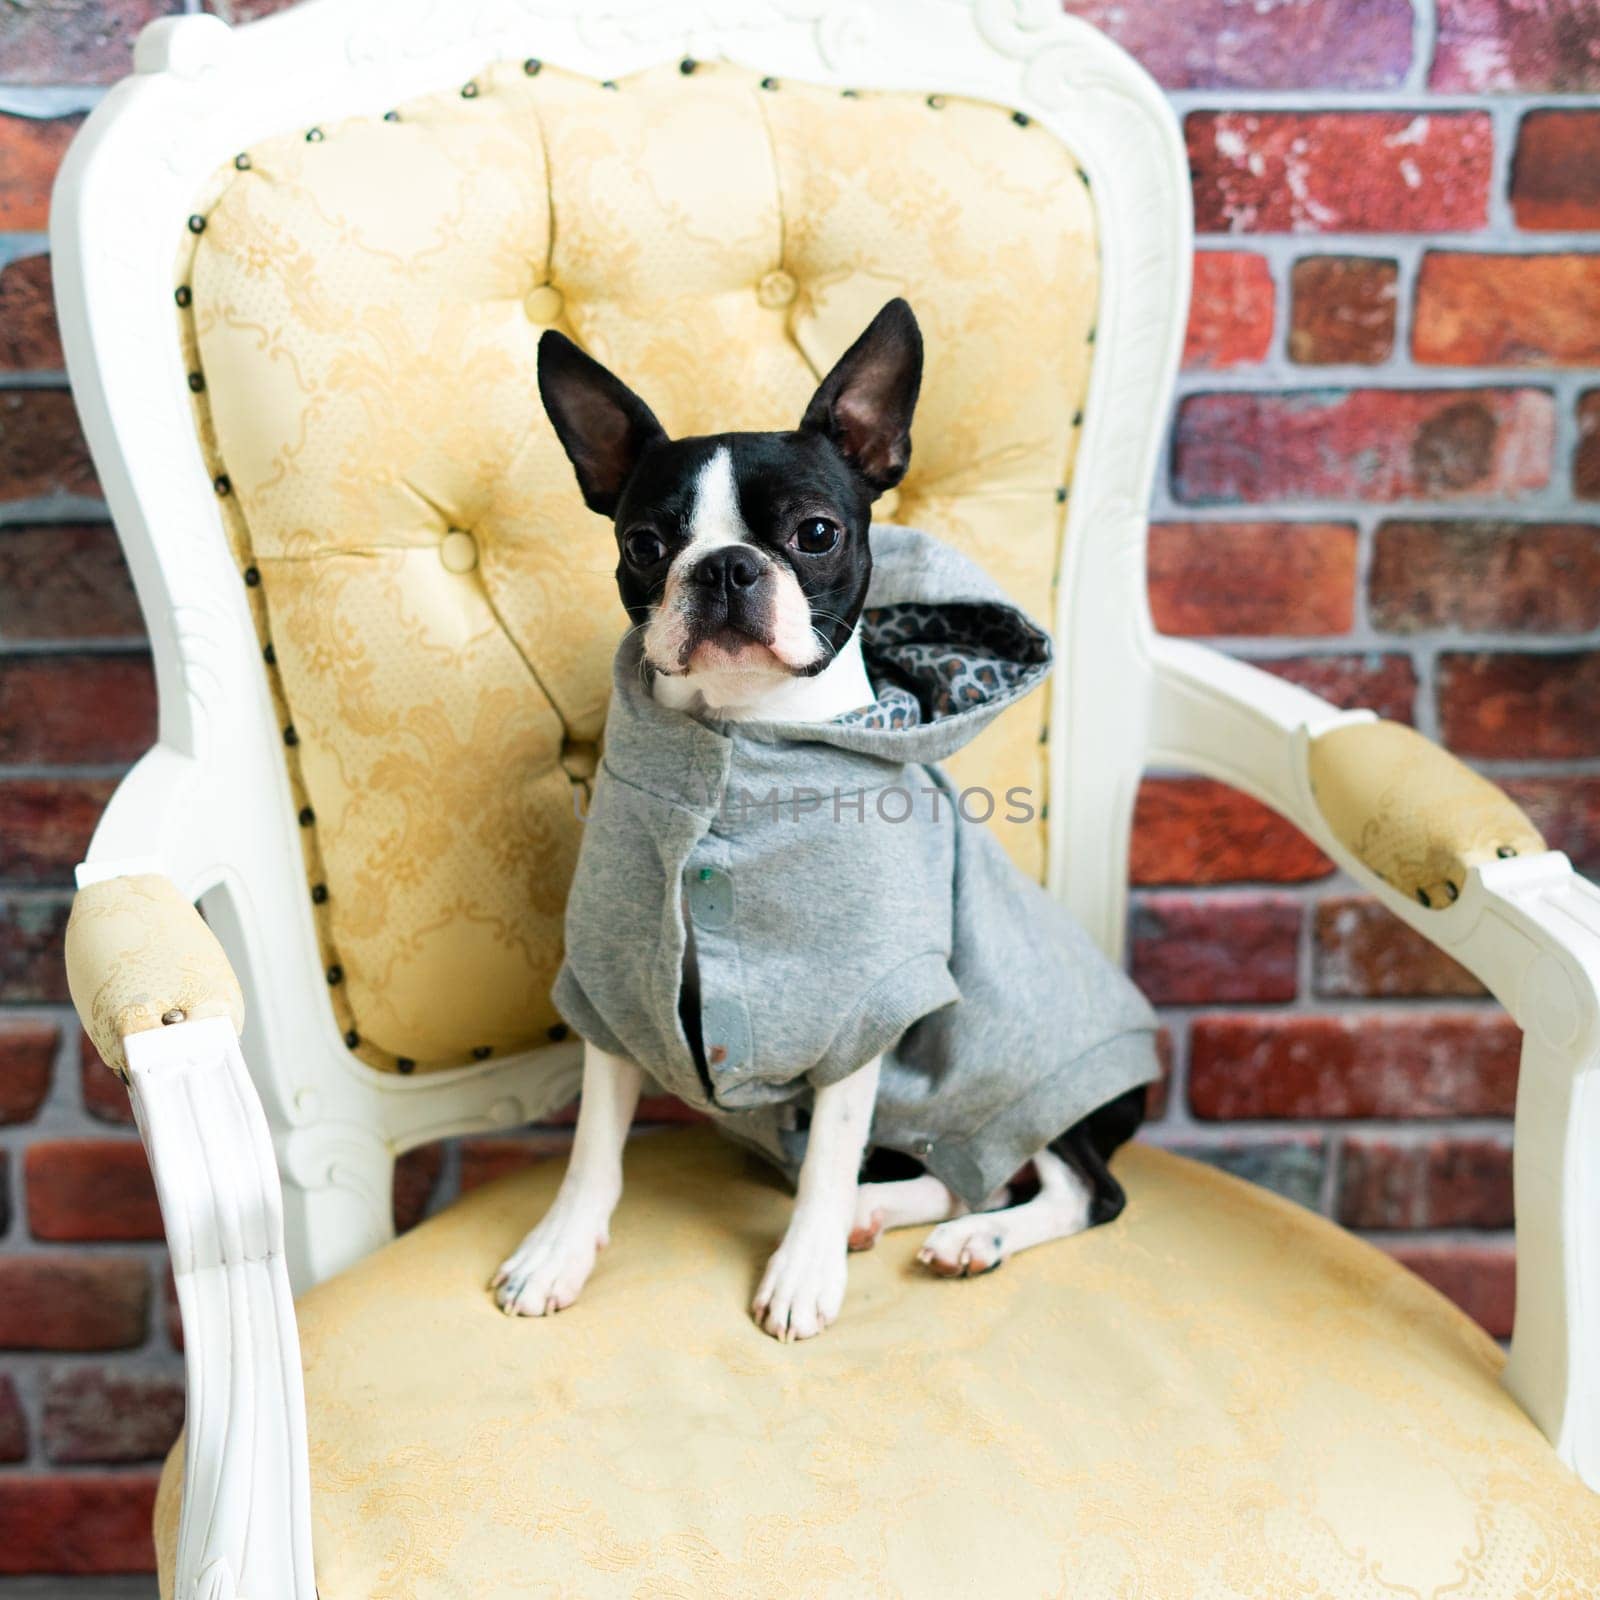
{"points": [[1217, 1397], [360, 306]]}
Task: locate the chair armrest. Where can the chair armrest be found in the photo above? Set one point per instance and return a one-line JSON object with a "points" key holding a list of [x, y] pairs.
{"points": [[1451, 855], [140, 957]]}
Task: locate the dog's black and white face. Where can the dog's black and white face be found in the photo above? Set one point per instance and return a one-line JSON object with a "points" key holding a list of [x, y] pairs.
{"points": [[743, 555]]}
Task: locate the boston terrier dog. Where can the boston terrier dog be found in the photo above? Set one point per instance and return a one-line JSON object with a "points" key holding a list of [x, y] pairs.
{"points": [[744, 565]]}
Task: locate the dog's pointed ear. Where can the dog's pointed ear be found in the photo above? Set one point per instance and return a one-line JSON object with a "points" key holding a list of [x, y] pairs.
{"points": [[865, 404], [602, 424]]}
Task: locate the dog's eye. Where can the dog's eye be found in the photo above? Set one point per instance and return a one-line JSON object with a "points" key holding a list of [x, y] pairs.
{"points": [[816, 536], [643, 547]]}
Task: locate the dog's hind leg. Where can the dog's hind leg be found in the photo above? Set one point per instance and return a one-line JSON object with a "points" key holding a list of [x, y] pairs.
{"points": [[979, 1241]]}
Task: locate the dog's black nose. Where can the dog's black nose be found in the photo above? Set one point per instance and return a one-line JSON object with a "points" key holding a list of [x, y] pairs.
{"points": [[734, 566]]}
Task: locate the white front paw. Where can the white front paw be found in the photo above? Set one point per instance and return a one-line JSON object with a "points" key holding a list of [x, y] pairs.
{"points": [[546, 1271], [803, 1287]]}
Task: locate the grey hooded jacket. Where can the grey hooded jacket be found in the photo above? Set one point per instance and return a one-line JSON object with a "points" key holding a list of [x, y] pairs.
{"points": [[843, 906]]}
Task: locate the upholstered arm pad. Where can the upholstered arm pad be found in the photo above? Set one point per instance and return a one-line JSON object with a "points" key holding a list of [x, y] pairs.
{"points": [[139, 955], [1410, 811]]}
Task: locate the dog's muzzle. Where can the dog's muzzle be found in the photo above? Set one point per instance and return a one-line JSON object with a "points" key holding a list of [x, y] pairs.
{"points": [[729, 591]]}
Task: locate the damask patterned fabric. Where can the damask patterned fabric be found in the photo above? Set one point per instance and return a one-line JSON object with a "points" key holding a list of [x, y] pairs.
{"points": [[360, 305], [1217, 1397]]}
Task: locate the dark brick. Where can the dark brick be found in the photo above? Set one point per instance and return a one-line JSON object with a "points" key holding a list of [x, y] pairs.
{"points": [[27, 1055], [1197, 831], [1363, 444], [1485, 577], [13, 1424], [1445, 1183], [42, 448], [73, 1301], [1340, 171], [1230, 310], [1290, 1167], [1386, 684], [1476, 310], [483, 1159], [1252, 578], [1555, 183], [90, 1189], [1342, 310], [58, 709], [30, 151], [1586, 460], [74, 41], [1362, 951], [45, 825], [1528, 707], [1482, 1280], [1511, 44], [29, 338], [1215, 44], [416, 1175], [76, 1523], [1406, 1065], [1159, 1093], [1566, 810], [105, 1096], [1191, 951], [65, 581], [31, 930], [100, 1416]]}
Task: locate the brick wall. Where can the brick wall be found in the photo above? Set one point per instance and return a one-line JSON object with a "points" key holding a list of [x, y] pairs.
{"points": [[1384, 469]]}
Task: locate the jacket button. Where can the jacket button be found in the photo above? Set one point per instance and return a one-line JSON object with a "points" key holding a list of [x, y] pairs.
{"points": [[923, 1147], [710, 896], [776, 289], [544, 305], [458, 551]]}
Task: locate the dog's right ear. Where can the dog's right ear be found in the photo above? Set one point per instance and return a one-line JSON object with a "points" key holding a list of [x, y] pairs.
{"points": [[602, 424]]}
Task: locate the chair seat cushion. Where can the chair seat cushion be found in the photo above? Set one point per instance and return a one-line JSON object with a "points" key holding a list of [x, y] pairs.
{"points": [[1217, 1395]]}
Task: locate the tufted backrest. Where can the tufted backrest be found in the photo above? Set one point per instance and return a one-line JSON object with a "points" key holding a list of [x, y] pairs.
{"points": [[360, 305]]}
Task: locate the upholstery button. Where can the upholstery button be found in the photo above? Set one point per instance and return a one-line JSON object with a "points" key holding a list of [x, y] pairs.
{"points": [[544, 305], [458, 551], [776, 289]]}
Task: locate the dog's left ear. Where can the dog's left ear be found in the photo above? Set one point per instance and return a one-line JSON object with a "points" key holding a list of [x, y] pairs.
{"points": [[864, 405]]}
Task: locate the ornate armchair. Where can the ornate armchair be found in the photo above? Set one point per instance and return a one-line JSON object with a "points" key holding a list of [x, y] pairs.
{"points": [[302, 269]]}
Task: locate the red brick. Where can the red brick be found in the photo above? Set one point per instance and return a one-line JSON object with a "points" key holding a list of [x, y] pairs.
{"points": [[172, 1315], [29, 338], [76, 708], [1362, 444], [1191, 951], [488, 1158], [27, 1055], [98, 1415], [65, 581], [105, 1096], [1445, 1183], [1566, 810], [1485, 577], [74, 41], [1342, 310], [1194, 830], [72, 1302], [1386, 684], [13, 1424], [1159, 1093], [1340, 171], [30, 151], [31, 930], [416, 1175], [1217, 44], [45, 825], [77, 1523], [1512, 44], [1480, 1279], [90, 1189], [1361, 950], [42, 448], [1217, 578], [1411, 1064], [1532, 707], [1507, 310], [1586, 460], [1230, 311], [1555, 181]]}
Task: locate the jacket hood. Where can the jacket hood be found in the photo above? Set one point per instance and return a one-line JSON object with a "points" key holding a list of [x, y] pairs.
{"points": [[945, 650]]}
